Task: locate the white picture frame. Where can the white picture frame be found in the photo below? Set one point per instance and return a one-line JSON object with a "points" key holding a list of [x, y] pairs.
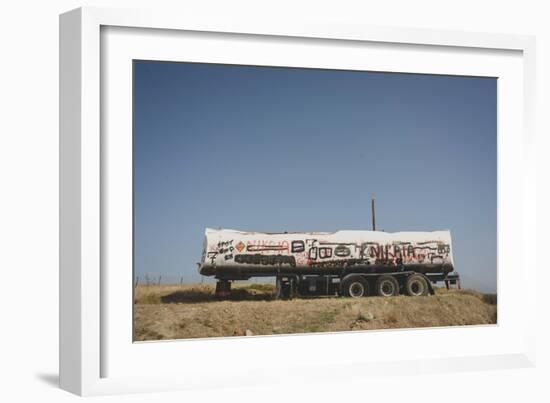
{"points": [[96, 356]]}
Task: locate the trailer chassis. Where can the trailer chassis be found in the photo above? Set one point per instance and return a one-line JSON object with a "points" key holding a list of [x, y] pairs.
{"points": [[352, 284]]}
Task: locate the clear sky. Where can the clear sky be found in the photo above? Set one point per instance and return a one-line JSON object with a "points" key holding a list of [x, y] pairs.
{"points": [[285, 149]]}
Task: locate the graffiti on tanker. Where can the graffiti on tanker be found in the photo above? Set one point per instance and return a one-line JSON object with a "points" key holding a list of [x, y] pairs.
{"points": [[265, 248], [271, 260], [342, 251], [224, 248], [405, 252], [298, 246], [320, 253]]}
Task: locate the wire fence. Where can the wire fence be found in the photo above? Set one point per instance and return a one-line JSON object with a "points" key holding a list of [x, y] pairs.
{"points": [[171, 279], [148, 280], [167, 279]]}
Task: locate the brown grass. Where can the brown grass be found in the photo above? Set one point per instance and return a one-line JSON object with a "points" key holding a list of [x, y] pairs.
{"points": [[191, 311]]}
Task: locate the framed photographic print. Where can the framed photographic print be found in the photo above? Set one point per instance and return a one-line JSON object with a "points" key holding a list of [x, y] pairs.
{"points": [[320, 197]]}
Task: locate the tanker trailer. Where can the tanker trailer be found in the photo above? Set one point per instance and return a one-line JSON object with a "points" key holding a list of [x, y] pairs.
{"points": [[347, 263]]}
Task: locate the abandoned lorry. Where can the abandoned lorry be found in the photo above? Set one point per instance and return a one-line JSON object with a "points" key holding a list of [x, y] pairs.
{"points": [[346, 263]]}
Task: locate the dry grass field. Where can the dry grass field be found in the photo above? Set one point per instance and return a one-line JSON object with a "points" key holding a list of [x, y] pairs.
{"points": [[191, 311]]}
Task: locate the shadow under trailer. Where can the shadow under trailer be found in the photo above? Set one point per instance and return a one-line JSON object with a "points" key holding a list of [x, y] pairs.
{"points": [[346, 263]]}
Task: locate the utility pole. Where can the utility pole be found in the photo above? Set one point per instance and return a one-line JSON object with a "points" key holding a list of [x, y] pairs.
{"points": [[373, 215]]}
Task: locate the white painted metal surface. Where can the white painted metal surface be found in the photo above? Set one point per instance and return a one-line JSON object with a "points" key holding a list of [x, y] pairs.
{"points": [[230, 248]]}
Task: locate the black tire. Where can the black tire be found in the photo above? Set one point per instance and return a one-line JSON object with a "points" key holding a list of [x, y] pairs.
{"points": [[416, 285], [355, 287], [387, 286]]}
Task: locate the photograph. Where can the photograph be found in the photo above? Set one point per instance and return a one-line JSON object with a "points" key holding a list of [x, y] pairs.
{"points": [[211, 201], [275, 200]]}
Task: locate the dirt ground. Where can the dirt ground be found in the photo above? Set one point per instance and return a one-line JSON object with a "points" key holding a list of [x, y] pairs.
{"points": [[192, 311]]}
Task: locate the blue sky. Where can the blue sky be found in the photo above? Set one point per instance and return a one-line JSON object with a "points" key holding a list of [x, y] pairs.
{"points": [[285, 149]]}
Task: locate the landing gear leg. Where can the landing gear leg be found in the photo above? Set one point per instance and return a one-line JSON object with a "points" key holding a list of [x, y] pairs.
{"points": [[286, 287], [223, 289]]}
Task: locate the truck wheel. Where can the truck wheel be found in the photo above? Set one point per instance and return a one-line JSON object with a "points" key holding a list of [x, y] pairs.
{"points": [[387, 286], [355, 287], [416, 285]]}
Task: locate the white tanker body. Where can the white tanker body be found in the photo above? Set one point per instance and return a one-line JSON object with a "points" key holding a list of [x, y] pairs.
{"points": [[353, 263]]}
